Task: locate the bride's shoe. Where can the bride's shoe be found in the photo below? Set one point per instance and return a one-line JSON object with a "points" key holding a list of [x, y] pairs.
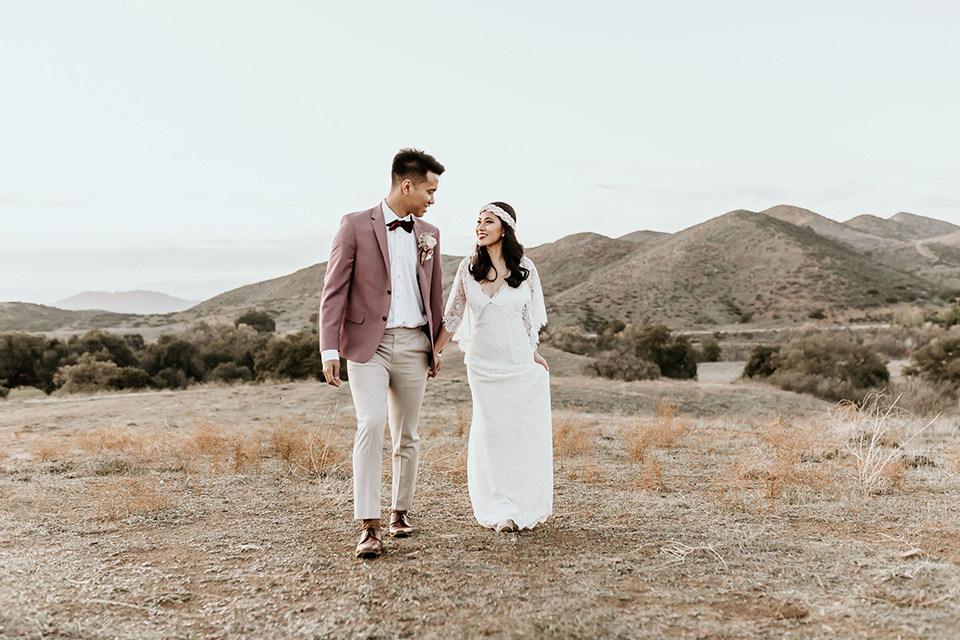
{"points": [[508, 526]]}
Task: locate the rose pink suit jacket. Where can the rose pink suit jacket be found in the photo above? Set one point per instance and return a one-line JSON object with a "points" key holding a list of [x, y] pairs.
{"points": [[356, 288]]}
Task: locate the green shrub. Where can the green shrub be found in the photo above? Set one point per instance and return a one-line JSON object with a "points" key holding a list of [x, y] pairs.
{"points": [[130, 378], [762, 361], [622, 363], [258, 320], [571, 339], [169, 355], [30, 361], [938, 361], [830, 366], [87, 375], [229, 372], [295, 356]]}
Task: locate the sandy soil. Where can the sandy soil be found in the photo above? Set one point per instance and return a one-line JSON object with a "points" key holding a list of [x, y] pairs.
{"points": [[185, 515]]}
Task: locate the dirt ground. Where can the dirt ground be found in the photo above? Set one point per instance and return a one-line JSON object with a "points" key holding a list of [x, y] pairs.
{"points": [[733, 510]]}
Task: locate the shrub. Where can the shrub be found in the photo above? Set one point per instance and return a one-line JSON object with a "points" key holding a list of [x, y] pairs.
{"points": [[294, 356], [938, 361], [4, 391], [105, 347], [571, 339], [259, 320], [87, 375], [762, 361], [129, 378], [229, 372], [710, 350], [830, 366], [30, 361], [622, 363], [673, 354], [172, 362]]}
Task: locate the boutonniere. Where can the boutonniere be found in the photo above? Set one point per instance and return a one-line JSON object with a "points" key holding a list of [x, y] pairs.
{"points": [[426, 243]]}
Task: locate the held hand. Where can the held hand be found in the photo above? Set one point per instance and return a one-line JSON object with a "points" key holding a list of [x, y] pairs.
{"points": [[540, 361], [331, 372], [437, 363]]}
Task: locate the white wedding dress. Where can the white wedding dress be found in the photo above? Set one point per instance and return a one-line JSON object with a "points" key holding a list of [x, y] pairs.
{"points": [[510, 455]]}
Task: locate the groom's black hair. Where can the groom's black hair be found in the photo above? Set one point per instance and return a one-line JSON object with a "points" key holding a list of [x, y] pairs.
{"points": [[413, 164]]}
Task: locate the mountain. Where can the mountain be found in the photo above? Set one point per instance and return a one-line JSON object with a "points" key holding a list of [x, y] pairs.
{"points": [[924, 227], [140, 302], [774, 268], [877, 226], [741, 265], [828, 228]]}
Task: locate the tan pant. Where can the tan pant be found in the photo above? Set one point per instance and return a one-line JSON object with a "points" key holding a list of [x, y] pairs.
{"points": [[393, 381]]}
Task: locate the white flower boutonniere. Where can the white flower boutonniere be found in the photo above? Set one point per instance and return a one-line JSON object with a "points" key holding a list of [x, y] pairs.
{"points": [[426, 243]]}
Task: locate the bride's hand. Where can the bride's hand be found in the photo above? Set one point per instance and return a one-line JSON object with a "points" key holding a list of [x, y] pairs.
{"points": [[540, 361]]}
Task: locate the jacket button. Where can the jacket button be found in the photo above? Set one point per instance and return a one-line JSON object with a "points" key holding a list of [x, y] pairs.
{"points": [[384, 318], [388, 291]]}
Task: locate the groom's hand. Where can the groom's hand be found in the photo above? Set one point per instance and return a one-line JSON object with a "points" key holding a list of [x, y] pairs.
{"points": [[435, 369], [331, 372]]}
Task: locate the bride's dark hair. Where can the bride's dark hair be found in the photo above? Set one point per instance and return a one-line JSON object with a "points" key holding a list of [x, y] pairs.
{"points": [[481, 264]]}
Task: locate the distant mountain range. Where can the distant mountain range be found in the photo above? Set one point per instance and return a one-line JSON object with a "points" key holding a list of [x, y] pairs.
{"points": [[782, 266], [140, 302]]}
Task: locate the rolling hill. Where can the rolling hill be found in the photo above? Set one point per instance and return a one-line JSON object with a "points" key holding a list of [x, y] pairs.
{"points": [[772, 268]]}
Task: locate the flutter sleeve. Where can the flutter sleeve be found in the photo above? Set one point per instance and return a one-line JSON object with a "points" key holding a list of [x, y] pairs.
{"points": [[455, 317], [535, 311]]}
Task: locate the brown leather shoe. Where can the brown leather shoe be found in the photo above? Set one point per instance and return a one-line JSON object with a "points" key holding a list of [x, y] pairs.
{"points": [[371, 543], [400, 524]]}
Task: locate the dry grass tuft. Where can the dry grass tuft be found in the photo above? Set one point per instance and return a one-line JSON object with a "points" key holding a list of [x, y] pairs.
{"points": [[144, 445], [874, 445], [571, 435], [462, 422], [305, 452], [49, 448], [122, 498], [662, 431], [953, 457], [589, 473], [650, 477], [246, 454], [787, 457]]}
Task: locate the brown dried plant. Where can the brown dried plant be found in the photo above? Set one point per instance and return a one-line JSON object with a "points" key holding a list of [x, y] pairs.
{"points": [[663, 431], [119, 499], [462, 422], [305, 452], [49, 448], [571, 435], [651, 476]]}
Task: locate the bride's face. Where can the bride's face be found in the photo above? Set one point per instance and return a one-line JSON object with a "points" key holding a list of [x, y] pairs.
{"points": [[489, 229]]}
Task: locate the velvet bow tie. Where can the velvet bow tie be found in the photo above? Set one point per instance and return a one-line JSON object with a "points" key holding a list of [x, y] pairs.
{"points": [[406, 225]]}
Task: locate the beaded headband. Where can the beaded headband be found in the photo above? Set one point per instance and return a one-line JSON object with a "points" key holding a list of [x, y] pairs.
{"points": [[500, 213]]}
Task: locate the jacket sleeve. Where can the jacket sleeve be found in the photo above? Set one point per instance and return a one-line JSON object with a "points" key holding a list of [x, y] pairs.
{"points": [[336, 285]]}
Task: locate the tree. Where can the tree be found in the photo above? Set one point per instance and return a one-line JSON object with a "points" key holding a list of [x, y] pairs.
{"points": [[294, 356]]}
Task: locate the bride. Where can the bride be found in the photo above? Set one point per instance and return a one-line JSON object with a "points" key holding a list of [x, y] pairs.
{"points": [[495, 312]]}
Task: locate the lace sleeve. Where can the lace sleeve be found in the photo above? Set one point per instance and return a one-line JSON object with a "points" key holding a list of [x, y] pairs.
{"points": [[535, 311], [457, 302]]}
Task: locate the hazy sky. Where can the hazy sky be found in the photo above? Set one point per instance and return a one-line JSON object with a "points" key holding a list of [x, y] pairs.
{"points": [[193, 146]]}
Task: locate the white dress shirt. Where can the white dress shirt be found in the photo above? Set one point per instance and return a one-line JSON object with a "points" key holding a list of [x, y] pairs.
{"points": [[406, 301]]}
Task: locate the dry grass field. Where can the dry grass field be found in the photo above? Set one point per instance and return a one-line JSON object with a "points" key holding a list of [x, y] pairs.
{"points": [[682, 510]]}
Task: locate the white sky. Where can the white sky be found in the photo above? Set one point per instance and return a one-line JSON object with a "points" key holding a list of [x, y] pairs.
{"points": [[193, 146]]}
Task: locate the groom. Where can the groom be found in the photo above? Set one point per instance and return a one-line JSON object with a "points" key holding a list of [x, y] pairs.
{"points": [[381, 309]]}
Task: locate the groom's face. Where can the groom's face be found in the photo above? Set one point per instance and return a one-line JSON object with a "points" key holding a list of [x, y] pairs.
{"points": [[419, 197]]}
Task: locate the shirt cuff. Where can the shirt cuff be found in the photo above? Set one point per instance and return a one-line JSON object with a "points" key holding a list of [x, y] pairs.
{"points": [[329, 354]]}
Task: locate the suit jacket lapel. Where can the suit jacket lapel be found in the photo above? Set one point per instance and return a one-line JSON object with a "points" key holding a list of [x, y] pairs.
{"points": [[423, 269], [380, 230]]}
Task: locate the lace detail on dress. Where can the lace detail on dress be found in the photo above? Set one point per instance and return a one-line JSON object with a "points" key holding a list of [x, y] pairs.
{"points": [[534, 311], [457, 302]]}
